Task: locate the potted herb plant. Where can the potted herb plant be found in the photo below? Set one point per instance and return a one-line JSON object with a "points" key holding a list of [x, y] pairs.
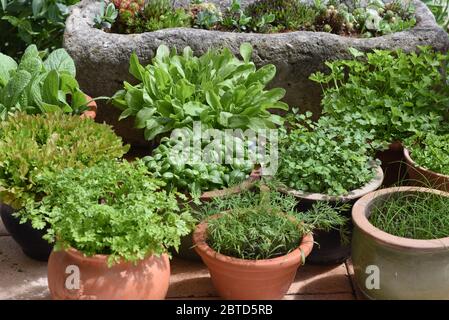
{"points": [[322, 162], [416, 99], [399, 247], [115, 223], [34, 144], [36, 86], [427, 157]]}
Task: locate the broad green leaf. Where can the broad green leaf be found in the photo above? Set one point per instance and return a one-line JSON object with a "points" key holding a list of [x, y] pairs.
{"points": [[213, 100], [15, 87], [60, 61], [135, 68], [194, 108], [51, 87], [246, 50], [7, 64], [143, 116]]}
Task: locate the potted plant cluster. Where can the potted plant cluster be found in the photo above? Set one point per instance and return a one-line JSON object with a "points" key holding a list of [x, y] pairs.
{"points": [[34, 144], [254, 242], [402, 232], [323, 162], [115, 223]]}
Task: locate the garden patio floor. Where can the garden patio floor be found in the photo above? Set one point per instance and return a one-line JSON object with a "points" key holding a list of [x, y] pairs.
{"points": [[23, 278]]}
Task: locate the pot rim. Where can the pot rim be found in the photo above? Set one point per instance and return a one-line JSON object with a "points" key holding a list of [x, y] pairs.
{"points": [[291, 258], [412, 163], [360, 219], [371, 186], [92, 111]]}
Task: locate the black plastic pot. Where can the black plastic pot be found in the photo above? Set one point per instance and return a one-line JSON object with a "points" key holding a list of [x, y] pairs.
{"points": [[330, 248], [28, 238]]}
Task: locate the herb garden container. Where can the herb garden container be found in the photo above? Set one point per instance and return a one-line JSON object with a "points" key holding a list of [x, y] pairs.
{"points": [[148, 279], [186, 250], [419, 175], [296, 55], [30, 239], [402, 268], [330, 248], [239, 279]]}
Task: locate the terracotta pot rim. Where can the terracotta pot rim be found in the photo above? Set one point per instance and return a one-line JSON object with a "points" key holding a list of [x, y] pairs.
{"points": [[412, 163], [292, 258], [371, 186], [243, 186], [99, 258], [92, 112], [360, 213]]}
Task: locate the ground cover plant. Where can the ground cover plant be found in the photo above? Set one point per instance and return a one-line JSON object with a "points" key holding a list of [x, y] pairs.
{"points": [[349, 18], [414, 215], [115, 208]]}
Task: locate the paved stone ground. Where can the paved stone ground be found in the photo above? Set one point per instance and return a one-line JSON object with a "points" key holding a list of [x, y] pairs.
{"points": [[23, 278]]}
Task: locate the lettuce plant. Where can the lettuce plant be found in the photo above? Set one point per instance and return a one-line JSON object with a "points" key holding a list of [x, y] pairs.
{"points": [[33, 144], [36, 86], [217, 89], [114, 208]]}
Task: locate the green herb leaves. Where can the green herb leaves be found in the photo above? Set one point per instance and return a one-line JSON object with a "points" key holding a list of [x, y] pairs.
{"points": [[217, 89], [36, 86], [114, 208]]}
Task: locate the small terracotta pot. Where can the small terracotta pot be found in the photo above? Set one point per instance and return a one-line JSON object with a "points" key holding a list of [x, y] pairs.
{"points": [[239, 279], [421, 176], [393, 164], [147, 280], [92, 112], [330, 249], [391, 267], [186, 250]]}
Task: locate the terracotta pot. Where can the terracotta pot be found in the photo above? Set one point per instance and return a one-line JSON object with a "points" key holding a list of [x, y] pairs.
{"points": [[393, 164], [421, 176], [147, 280], [30, 239], [406, 268], [239, 279], [330, 248], [186, 250]]}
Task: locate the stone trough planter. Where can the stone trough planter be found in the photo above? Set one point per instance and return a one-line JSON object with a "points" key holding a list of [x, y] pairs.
{"points": [[102, 58]]}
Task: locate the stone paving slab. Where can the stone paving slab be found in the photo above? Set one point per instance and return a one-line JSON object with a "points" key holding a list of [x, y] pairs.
{"points": [[24, 278]]}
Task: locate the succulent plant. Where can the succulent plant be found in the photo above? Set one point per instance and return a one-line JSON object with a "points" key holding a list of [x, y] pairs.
{"points": [[205, 14]]}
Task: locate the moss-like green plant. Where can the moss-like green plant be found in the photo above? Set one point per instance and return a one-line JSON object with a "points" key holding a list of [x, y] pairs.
{"points": [[33, 144], [113, 208]]}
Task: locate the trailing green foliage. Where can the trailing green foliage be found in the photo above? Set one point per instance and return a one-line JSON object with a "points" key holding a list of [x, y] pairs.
{"points": [[217, 89], [38, 86], [325, 158], [26, 22], [414, 215], [113, 208], [34, 144], [394, 93], [186, 172], [430, 151], [263, 225]]}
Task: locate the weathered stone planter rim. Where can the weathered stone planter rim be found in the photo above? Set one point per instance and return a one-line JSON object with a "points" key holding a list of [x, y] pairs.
{"points": [[374, 184], [412, 163], [290, 259], [361, 213]]}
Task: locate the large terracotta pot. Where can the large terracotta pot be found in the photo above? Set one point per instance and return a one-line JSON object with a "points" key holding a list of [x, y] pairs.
{"points": [[186, 250], [406, 268], [30, 239], [421, 176], [147, 280], [330, 248], [393, 164], [239, 279]]}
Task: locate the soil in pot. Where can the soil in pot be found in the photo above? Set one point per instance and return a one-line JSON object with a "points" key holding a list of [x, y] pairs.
{"points": [[29, 239], [147, 280], [393, 164], [330, 247], [240, 279], [400, 244]]}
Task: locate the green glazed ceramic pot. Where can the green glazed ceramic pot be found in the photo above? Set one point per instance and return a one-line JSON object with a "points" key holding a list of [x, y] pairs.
{"points": [[388, 267]]}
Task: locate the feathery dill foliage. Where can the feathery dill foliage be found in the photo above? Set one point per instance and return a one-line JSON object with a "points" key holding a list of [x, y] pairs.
{"points": [[263, 225], [33, 144], [414, 215], [115, 208]]}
